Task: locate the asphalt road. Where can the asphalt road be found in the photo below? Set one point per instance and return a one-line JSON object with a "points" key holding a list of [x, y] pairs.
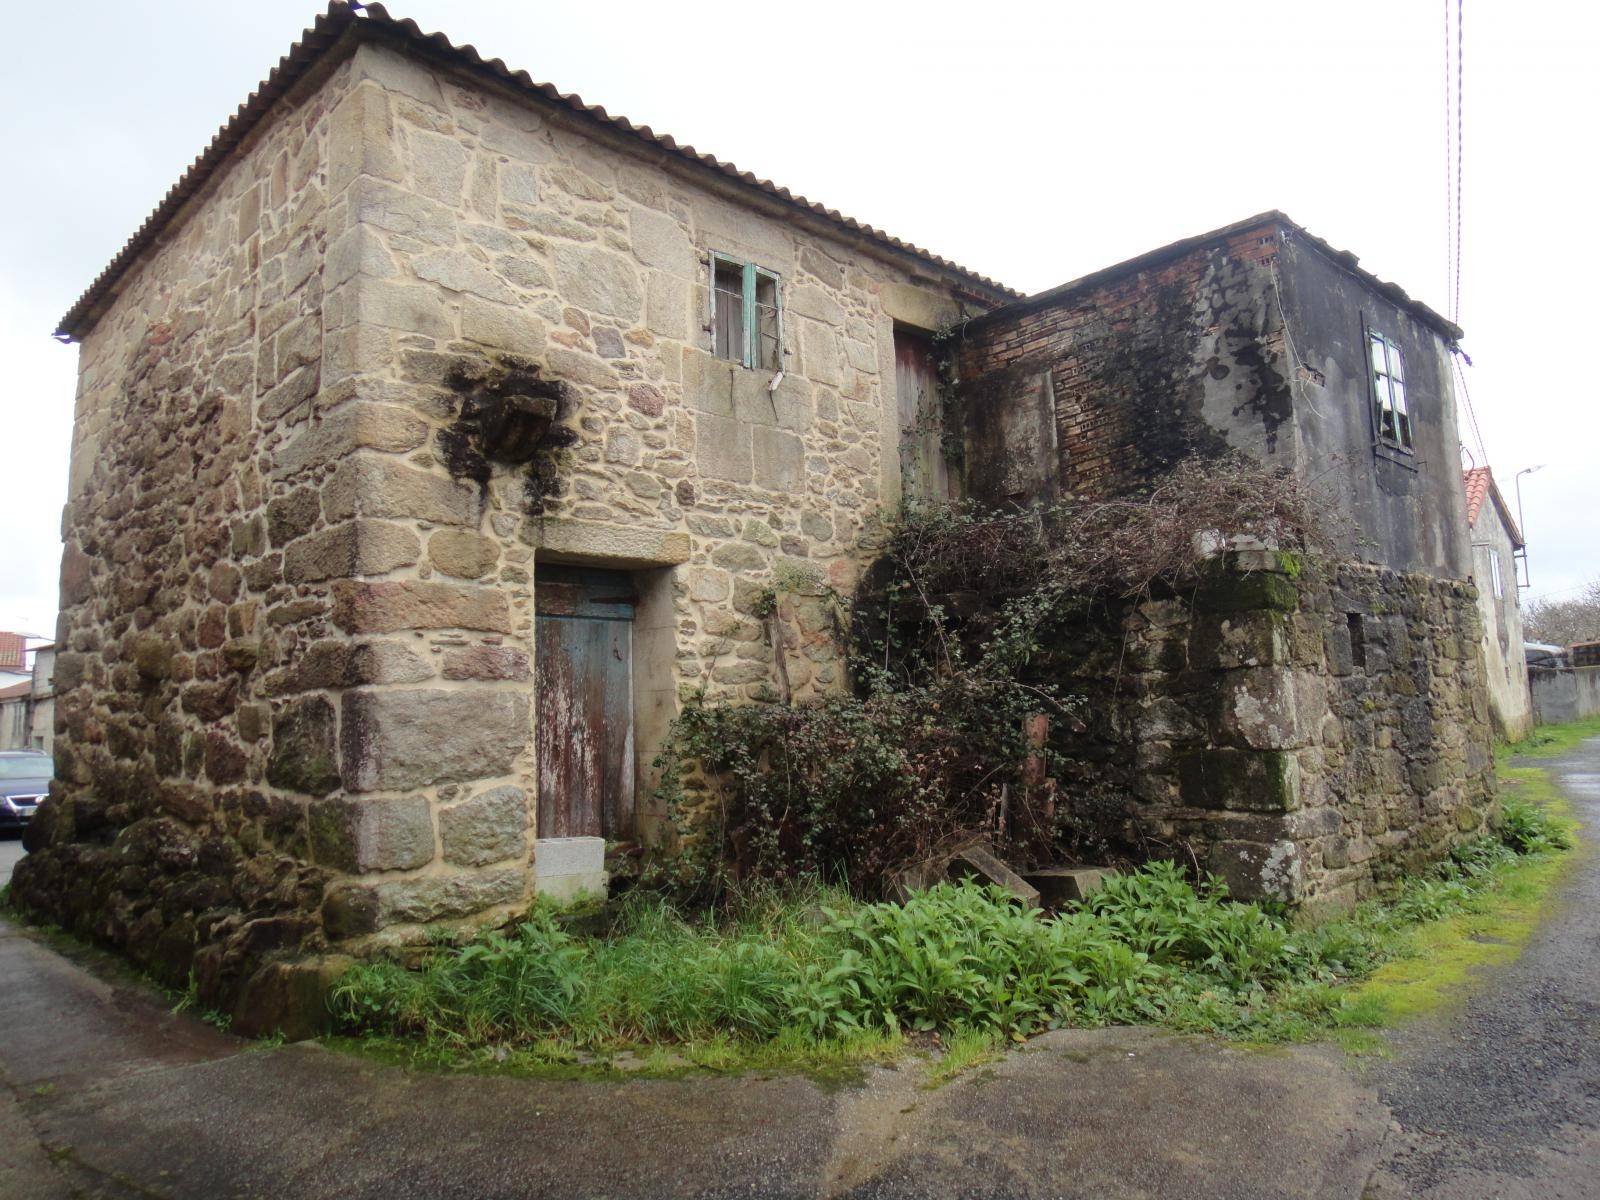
{"points": [[106, 1093], [1503, 1098]]}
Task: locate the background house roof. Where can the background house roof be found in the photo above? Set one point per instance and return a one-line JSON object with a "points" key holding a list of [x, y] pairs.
{"points": [[1347, 261], [13, 652], [374, 21], [1480, 487]]}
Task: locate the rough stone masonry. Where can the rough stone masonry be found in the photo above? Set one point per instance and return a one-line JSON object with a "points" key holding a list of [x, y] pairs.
{"points": [[423, 359]]}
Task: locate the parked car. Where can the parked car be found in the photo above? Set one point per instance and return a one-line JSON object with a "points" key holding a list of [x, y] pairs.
{"points": [[24, 781]]}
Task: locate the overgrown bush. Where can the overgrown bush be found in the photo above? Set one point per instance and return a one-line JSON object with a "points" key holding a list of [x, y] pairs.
{"points": [[931, 742], [808, 967]]}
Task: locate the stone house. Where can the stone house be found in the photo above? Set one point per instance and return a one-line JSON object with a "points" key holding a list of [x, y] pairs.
{"points": [[1307, 737], [1496, 547], [439, 434]]}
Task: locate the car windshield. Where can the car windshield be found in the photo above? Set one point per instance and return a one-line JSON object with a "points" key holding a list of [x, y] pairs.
{"points": [[27, 766]]}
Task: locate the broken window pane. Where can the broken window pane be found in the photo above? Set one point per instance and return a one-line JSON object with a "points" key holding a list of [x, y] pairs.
{"points": [[1389, 392], [766, 357], [727, 334]]}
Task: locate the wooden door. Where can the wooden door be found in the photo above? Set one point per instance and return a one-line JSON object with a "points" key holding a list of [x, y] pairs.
{"points": [[924, 469], [583, 634]]}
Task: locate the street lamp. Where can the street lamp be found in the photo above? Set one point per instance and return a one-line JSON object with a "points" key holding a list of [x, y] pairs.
{"points": [[1527, 576]]}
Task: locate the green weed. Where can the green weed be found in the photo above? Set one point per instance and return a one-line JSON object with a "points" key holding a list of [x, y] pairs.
{"points": [[810, 977]]}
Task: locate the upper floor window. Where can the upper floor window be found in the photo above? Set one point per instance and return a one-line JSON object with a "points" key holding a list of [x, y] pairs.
{"points": [[746, 324], [1389, 407], [1494, 574]]}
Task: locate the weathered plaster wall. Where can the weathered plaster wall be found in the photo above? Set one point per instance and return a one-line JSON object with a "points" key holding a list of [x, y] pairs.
{"points": [[1406, 507], [1139, 369], [1253, 342], [1562, 694], [1505, 663], [1247, 721]]}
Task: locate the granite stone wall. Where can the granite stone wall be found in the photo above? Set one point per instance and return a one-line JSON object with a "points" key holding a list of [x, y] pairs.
{"points": [[1306, 736], [296, 689], [195, 735]]}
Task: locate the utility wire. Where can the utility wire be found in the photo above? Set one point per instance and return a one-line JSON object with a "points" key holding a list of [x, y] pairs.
{"points": [[1472, 413], [1449, 167], [1460, 141]]}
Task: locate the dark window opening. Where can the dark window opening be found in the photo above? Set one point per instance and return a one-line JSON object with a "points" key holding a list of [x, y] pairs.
{"points": [[1358, 641]]}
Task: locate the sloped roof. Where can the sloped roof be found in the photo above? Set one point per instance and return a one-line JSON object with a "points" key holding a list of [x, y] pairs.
{"points": [[15, 690], [373, 20], [1477, 480], [1345, 260], [1480, 487], [13, 652]]}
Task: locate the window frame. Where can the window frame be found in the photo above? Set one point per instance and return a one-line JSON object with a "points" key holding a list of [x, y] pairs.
{"points": [[750, 333], [1381, 382], [1496, 577]]}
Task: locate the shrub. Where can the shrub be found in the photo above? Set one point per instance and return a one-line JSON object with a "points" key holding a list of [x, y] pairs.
{"points": [[1528, 829], [930, 744]]}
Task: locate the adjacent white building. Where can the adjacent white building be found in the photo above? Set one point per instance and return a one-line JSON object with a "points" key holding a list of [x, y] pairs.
{"points": [[1496, 546]]}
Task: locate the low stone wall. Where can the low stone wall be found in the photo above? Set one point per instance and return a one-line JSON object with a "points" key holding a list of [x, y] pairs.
{"points": [[1308, 739], [1562, 694]]}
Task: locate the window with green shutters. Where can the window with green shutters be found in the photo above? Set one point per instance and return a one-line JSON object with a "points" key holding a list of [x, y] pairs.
{"points": [[746, 319]]}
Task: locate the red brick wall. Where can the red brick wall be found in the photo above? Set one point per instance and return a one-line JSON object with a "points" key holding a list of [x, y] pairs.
{"points": [[1129, 354]]}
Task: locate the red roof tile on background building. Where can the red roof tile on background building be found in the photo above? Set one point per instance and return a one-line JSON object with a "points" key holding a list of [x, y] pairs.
{"points": [[13, 652], [1477, 480]]}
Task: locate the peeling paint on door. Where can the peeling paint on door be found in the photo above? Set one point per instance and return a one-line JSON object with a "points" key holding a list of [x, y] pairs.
{"points": [[584, 735]]}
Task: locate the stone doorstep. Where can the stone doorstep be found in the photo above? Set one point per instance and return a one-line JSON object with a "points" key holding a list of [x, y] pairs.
{"points": [[1059, 886], [574, 886], [567, 868], [569, 856]]}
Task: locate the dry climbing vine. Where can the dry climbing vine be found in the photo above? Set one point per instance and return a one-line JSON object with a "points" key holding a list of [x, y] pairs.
{"points": [[933, 741]]}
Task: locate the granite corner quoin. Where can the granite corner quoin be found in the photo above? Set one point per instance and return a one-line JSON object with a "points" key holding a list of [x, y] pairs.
{"points": [[415, 485]]}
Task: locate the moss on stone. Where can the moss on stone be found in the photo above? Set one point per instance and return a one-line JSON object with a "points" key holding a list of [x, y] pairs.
{"points": [[1235, 592]]}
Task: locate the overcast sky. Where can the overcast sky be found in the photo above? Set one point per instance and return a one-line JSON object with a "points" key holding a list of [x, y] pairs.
{"points": [[1030, 143]]}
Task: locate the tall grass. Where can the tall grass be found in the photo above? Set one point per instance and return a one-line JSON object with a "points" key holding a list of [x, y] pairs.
{"points": [[807, 968]]}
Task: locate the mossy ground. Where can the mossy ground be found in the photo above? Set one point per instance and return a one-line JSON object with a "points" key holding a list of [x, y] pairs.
{"points": [[1437, 963]]}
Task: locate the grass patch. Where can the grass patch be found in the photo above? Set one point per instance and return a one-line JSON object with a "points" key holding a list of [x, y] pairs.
{"points": [[965, 1050], [1490, 926], [1548, 741], [814, 980]]}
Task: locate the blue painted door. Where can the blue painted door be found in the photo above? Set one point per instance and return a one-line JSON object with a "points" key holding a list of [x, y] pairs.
{"points": [[583, 633]]}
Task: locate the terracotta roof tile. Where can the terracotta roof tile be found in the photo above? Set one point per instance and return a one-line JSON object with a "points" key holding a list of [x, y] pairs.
{"points": [[13, 652], [1477, 480], [1480, 487], [329, 29]]}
